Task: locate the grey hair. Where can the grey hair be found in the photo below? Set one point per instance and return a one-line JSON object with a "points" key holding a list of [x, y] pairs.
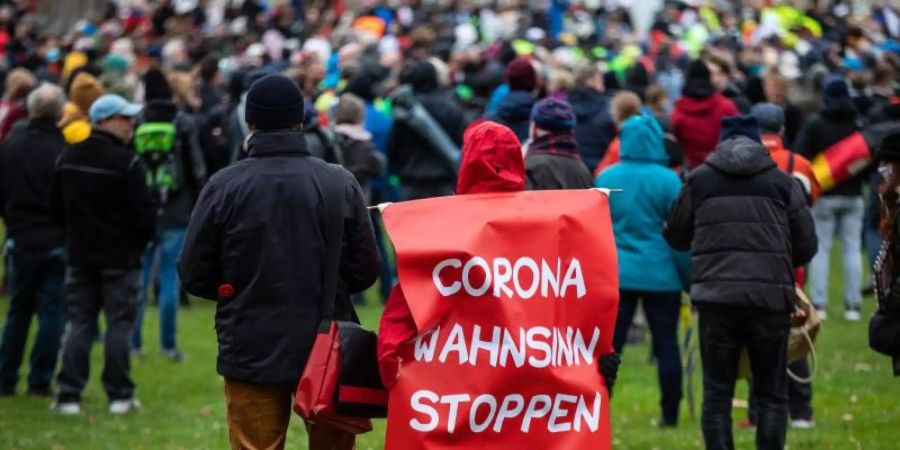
{"points": [[46, 102]]}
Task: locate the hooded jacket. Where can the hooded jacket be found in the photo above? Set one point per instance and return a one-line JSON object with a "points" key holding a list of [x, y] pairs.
{"points": [[649, 190], [747, 225], [491, 162], [594, 126], [696, 124], [514, 111], [260, 226]]}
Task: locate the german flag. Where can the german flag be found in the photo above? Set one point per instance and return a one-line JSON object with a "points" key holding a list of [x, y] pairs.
{"points": [[842, 161]]}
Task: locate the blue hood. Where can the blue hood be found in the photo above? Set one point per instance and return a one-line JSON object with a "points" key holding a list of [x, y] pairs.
{"points": [[641, 139], [516, 107]]}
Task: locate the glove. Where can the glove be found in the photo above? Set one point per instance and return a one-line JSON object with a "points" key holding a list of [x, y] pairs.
{"points": [[609, 369]]}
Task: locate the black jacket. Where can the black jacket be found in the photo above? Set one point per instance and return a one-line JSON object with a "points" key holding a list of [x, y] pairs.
{"points": [[825, 129], [552, 162], [514, 111], [100, 195], [409, 153], [27, 161], [260, 227], [747, 225], [176, 212], [594, 126]]}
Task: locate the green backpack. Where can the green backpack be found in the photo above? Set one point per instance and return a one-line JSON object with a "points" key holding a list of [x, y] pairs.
{"points": [[154, 142]]}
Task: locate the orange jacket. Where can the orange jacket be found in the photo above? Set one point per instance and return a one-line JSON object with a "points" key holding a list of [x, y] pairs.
{"points": [[802, 170]]}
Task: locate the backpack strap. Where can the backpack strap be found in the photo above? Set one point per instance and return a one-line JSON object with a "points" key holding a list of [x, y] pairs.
{"points": [[334, 188], [790, 166]]}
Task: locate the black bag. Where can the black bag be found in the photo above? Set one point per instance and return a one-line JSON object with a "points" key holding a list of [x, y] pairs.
{"points": [[340, 386]]}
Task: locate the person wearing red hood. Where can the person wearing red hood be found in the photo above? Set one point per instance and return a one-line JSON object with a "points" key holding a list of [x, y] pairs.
{"points": [[697, 117], [491, 162]]}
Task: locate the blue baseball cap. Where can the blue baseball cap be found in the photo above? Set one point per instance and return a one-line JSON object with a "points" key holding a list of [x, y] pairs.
{"points": [[110, 105]]}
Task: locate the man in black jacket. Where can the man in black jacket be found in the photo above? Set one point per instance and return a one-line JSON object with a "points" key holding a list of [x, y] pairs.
{"points": [[178, 174], [747, 225], [552, 160], [100, 195], [422, 170], [35, 252], [256, 243]]}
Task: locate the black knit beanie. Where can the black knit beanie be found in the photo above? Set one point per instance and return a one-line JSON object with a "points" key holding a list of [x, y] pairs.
{"points": [[274, 102]]}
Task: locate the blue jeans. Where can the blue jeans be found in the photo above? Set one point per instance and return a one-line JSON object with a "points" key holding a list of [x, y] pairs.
{"points": [[35, 287], [662, 310], [165, 250], [844, 216]]}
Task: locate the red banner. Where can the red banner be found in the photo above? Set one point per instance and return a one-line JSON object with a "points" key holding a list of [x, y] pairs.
{"points": [[515, 296]]}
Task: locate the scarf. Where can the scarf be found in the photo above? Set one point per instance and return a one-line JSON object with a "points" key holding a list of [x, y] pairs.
{"points": [[562, 144]]}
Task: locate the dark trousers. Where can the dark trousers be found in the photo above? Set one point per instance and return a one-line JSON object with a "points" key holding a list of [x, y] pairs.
{"points": [[799, 394], [724, 334], [117, 293], [35, 287], [662, 310]]}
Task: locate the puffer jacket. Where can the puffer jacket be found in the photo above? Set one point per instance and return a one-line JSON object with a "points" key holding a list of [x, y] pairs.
{"points": [[649, 190], [747, 225]]}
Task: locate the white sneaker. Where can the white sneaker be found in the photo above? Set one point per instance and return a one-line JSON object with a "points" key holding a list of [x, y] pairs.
{"points": [[822, 314], [852, 315], [119, 407], [66, 409], [801, 424]]}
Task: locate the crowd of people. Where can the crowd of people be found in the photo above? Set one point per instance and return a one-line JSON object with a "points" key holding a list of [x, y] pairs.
{"points": [[155, 148]]}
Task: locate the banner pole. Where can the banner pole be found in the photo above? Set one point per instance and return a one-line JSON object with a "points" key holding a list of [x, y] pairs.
{"points": [[382, 206]]}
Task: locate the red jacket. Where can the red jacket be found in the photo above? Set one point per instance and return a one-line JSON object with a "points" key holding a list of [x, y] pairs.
{"points": [[697, 122], [491, 162]]}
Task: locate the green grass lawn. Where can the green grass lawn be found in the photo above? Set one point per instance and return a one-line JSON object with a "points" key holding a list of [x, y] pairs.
{"points": [[857, 401]]}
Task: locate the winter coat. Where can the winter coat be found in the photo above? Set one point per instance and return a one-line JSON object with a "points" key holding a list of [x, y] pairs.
{"points": [[99, 194], [824, 129], [514, 112], [552, 162], [487, 146], [259, 227], [189, 160], [409, 152], [359, 155], [697, 122], [594, 126], [747, 225], [27, 161], [649, 189]]}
